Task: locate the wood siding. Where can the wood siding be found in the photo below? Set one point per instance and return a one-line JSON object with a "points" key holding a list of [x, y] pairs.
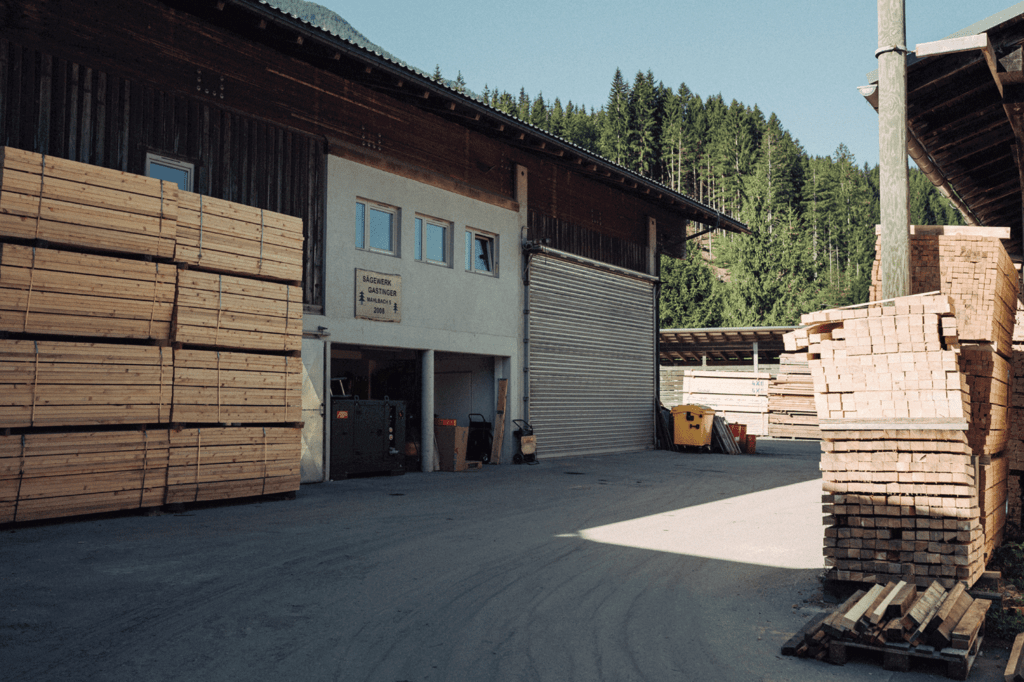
{"points": [[588, 243]]}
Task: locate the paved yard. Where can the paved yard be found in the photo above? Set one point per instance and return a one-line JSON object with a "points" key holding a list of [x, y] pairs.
{"points": [[644, 566]]}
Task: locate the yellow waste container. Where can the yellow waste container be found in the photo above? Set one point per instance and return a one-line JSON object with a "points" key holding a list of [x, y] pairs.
{"points": [[692, 425]]}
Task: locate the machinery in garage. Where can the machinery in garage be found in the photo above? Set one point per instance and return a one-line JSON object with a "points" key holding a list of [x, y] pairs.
{"points": [[366, 436]]}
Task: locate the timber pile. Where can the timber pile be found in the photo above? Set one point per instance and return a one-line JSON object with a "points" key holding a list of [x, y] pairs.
{"points": [[903, 624], [221, 236], [234, 312], [791, 410], [60, 383], [73, 204], [46, 291], [740, 397], [1015, 442], [102, 283], [901, 493], [225, 387], [47, 475], [221, 463]]}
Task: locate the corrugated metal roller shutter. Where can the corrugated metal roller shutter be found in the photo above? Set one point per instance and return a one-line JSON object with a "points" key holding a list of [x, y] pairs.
{"points": [[591, 358]]}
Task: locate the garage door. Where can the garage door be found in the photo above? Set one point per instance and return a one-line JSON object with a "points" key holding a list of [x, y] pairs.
{"points": [[591, 358]]}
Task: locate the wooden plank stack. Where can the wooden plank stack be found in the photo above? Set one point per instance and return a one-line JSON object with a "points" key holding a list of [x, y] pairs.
{"points": [[740, 397], [900, 488], [73, 204], [220, 463], [87, 272], [1014, 451], [47, 291], [791, 409], [901, 622], [221, 236]]}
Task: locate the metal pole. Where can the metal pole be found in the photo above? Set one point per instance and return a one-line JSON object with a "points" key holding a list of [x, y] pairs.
{"points": [[892, 148]]}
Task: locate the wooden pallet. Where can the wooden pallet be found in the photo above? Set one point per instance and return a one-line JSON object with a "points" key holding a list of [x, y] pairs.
{"points": [[46, 291], [221, 236], [902, 623], [56, 383], [229, 387], [235, 312], [220, 463], [51, 475], [75, 204]]}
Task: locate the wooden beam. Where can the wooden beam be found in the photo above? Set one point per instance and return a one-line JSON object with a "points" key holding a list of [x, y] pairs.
{"points": [[1013, 67], [299, 40], [964, 44]]}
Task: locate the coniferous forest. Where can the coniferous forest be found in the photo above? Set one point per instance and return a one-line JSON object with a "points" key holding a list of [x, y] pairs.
{"points": [[813, 218]]}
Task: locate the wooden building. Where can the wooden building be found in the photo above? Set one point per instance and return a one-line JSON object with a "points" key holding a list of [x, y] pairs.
{"points": [[502, 252]]}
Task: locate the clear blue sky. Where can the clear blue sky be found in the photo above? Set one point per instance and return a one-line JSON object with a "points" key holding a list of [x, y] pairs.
{"points": [[801, 59]]}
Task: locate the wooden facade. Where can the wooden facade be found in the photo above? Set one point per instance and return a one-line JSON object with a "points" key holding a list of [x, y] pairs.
{"points": [[256, 98]]}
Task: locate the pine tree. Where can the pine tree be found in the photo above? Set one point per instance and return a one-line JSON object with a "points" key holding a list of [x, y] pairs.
{"points": [[437, 73], [460, 83], [539, 112], [641, 138], [615, 131]]}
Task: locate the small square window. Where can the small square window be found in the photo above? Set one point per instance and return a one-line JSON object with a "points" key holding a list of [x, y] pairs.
{"points": [[172, 170], [481, 252], [432, 241], [377, 228]]}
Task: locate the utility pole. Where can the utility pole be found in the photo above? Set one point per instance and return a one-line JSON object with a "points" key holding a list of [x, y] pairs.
{"points": [[892, 148]]}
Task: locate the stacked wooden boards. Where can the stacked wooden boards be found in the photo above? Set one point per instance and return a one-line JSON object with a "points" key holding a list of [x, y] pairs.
{"points": [[900, 485], [902, 623], [740, 397], [104, 327], [791, 410]]}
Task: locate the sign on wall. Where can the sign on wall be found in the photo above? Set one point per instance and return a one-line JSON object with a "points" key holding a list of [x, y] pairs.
{"points": [[378, 296]]}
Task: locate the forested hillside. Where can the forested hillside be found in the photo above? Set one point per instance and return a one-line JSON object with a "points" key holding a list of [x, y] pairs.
{"points": [[813, 218]]}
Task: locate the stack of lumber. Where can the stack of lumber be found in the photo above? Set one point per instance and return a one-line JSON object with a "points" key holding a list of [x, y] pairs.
{"points": [[45, 475], [791, 410], [93, 261], [225, 387], [46, 291], [238, 328], [221, 236], [235, 312], [220, 463], [901, 492], [902, 623], [1014, 451], [63, 383], [740, 397], [73, 204]]}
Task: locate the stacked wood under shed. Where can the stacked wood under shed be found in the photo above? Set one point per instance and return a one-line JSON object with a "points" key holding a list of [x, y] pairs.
{"points": [[791, 410], [903, 624], [739, 397], [139, 363]]}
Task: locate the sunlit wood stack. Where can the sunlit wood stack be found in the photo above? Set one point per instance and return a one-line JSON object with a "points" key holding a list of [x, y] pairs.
{"points": [[900, 488], [109, 322], [791, 411], [54, 292], [221, 236], [68, 203]]}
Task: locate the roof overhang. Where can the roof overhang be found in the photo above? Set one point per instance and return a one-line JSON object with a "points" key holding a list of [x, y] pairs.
{"points": [[721, 345], [965, 118], [260, 21]]}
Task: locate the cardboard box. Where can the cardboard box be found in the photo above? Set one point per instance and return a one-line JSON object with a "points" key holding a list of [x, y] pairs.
{"points": [[451, 447]]}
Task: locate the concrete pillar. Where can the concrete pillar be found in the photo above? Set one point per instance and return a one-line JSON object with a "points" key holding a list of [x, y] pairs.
{"points": [[427, 417], [755, 356]]}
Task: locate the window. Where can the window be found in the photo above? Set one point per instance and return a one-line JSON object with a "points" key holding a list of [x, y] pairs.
{"points": [[481, 252], [432, 241], [172, 170], [376, 228]]}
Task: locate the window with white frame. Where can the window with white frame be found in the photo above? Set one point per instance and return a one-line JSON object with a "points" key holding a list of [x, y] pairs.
{"points": [[376, 227], [481, 252], [433, 241], [172, 170]]}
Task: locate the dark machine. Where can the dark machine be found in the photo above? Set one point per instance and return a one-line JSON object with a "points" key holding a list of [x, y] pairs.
{"points": [[367, 436]]}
